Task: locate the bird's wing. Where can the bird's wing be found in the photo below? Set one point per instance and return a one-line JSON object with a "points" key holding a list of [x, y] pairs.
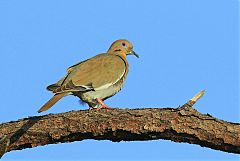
{"points": [[56, 87], [71, 68], [96, 73]]}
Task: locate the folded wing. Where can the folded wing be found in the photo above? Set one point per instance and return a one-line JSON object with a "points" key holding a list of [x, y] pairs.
{"points": [[96, 73]]}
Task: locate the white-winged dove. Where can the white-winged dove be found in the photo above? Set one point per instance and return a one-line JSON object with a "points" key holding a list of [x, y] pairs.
{"points": [[95, 79]]}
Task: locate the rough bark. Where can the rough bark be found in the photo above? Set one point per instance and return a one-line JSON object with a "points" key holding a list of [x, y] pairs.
{"points": [[182, 124]]}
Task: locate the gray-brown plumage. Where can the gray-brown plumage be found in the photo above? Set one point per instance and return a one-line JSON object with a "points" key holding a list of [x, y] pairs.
{"points": [[94, 79]]}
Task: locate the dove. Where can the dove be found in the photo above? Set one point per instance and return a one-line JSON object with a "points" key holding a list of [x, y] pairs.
{"points": [[96, 79]]}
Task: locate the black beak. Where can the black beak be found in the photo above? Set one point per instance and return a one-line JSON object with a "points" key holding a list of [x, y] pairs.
{"points": [[133, 53]]}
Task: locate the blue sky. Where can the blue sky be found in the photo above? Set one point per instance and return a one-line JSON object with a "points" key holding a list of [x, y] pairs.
{"points": [[184, 46]]}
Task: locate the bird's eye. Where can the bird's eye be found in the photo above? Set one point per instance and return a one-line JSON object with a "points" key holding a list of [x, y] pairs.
{"points": [[124, 45]]}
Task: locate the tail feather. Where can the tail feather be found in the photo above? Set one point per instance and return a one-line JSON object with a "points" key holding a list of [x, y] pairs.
{"points": [[52, 87], [51, 102]]}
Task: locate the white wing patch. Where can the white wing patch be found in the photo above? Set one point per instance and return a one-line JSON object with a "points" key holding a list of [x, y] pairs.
{"points": [[105, 86]]}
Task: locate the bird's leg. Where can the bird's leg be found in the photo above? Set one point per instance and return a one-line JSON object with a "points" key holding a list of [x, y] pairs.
{"points": [[103, 105]]}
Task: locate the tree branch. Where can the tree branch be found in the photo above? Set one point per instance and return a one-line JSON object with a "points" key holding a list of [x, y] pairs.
{"points": [[183, 124]]}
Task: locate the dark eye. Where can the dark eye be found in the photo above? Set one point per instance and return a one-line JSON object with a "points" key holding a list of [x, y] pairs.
{"points": [[123, 44]]}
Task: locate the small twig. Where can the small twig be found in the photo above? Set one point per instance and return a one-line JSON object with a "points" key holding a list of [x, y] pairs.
{"points": [[195, 98]]}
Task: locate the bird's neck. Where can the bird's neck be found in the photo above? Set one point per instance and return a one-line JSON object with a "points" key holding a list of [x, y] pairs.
{"points": [[119, 53]]}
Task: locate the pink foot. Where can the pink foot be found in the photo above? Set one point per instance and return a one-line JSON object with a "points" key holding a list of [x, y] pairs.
{"points": [[102, 103]]}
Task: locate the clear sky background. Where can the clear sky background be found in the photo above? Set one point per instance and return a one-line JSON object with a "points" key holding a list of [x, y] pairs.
{"points": [[184, 46]]}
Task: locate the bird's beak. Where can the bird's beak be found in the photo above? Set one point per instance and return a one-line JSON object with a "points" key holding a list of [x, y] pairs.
{"points": [[133, 53]]}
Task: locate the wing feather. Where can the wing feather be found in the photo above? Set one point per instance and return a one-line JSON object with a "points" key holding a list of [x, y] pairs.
{"points": [[96, 73]]}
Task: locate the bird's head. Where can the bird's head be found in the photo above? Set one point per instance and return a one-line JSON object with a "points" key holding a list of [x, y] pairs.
{"points": [[122, 47]]}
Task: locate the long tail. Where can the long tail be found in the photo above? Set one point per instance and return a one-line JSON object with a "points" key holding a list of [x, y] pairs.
{"points": [[51, 102]]}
